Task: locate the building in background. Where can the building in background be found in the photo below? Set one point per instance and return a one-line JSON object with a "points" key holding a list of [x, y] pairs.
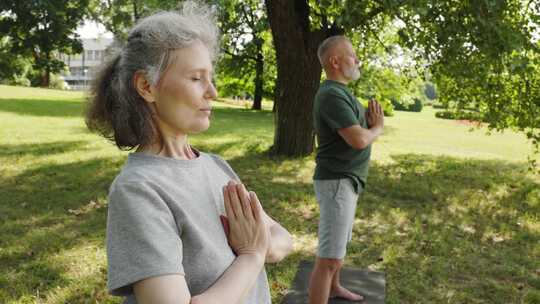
{"points": [[82, 67]]}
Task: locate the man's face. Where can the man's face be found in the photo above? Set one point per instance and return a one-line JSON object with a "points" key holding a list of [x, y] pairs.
{"points": [[348, 62]]}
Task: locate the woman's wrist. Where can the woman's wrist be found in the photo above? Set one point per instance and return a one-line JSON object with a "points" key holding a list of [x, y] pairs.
{"points": [[255, 258]]}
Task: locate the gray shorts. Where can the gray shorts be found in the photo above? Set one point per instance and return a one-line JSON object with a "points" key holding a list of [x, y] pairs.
{"points": [[337, 200]]}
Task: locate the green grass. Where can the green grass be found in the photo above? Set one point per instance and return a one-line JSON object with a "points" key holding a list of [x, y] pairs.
{"points": [[450, 215]]}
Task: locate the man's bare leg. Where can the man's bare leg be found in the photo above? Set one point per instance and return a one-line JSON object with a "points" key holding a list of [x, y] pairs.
{"points": [[321, 279], [338, 291]]}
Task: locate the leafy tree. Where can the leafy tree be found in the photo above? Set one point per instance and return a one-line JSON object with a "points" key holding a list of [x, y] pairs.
{"points": [[244, 24], [245, 35], [39, 29], [14, 68], [479, 52], [118, 16]]}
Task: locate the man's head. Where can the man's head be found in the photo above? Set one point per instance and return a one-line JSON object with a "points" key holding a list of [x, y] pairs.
{"points": [[338, 59]]}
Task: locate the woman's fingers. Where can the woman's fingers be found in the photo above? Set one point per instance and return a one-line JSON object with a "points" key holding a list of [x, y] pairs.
{"points": [[225, 223], [227, 203], [256, 206], [245, 201], [234, 200]]}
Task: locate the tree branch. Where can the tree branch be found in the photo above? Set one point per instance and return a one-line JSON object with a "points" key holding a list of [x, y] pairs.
{"points": [[387, 49], [236, 56]]}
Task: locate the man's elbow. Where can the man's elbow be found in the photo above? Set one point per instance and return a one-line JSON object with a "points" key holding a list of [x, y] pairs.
{"points": [[360, 144]]}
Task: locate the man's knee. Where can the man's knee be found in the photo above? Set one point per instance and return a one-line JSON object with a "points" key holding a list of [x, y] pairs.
{"points": [[328, 265]]}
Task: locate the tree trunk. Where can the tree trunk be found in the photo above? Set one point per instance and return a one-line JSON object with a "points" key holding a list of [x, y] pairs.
{"points": [[135, 11], [259, 70], [46, 76], [299, 73]]}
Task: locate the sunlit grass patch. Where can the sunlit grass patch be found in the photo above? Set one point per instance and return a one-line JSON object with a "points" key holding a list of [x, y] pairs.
{"points": [[449, 218]]}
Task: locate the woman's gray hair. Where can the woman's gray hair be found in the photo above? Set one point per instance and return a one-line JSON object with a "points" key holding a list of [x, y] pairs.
{"points": [[150, 42], [116, 110]]}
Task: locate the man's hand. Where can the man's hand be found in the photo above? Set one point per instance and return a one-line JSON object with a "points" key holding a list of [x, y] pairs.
{"points": [[375, 114]]}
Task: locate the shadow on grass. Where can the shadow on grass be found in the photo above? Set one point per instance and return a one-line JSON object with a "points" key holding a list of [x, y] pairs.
{"points": [[38, 107], [45, 211], [40, 149], [443, 229], [448, 229]]}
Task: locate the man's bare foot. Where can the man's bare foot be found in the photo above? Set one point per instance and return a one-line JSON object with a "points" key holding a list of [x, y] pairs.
{"points": [[342, 292]]}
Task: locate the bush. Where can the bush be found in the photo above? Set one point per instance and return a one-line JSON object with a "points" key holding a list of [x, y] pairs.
{"points": [[19, 81], [437, 105], [414, 107], [398, 106], [459, 115], [388, 108], [445, 115], [57, 82]]}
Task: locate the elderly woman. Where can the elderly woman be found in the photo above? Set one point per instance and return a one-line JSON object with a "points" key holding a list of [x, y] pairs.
{"points": [[180, 226]]}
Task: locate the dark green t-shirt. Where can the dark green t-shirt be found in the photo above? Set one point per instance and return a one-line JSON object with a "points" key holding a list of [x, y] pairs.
{"points": [[335, 108]]}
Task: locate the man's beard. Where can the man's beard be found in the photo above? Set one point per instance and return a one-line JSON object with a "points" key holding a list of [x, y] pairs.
{"points": [[352, 73]]}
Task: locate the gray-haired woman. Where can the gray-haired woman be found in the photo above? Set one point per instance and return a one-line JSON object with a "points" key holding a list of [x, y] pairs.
{"points": [[180, 228]]}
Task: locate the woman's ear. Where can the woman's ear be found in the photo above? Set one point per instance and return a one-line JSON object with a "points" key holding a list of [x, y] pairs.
{"points": [[144, 87]]}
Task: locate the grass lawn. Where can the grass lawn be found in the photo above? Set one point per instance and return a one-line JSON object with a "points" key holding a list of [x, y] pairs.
{"points": [[450, 215]]}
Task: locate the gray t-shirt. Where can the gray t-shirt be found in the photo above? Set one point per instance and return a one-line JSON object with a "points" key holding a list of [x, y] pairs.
{"points": [[163, 218]]}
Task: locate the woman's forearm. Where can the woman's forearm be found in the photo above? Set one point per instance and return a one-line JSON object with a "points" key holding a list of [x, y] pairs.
{"points": [[281, 243], [235, 283]]}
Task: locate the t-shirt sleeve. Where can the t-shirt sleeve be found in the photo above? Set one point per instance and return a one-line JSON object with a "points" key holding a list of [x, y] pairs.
{"points": [[143, 240], [336, 112]]}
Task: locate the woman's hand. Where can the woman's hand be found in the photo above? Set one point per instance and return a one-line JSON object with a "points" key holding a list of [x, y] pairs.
{"points": [[245, 225]]}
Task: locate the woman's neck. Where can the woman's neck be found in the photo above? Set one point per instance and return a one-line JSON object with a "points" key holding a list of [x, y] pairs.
{"points": [[171, 146]]}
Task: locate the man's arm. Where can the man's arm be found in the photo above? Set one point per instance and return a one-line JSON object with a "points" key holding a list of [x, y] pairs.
{"points": [[358, 137]]}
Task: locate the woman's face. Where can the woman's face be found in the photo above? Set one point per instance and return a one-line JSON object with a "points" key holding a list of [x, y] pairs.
{"points": [[185, 91]]}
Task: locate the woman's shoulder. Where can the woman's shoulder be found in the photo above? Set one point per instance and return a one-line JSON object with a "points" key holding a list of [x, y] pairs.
{"points": [[222, 164], [213, 157], [134, 175]]}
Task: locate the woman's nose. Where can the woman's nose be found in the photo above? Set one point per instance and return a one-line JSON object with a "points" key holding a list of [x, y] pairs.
{"points": [[211, 92]]}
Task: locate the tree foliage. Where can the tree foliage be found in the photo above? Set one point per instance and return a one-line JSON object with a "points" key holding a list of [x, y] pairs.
{"points": [[13, 67], [245, 38], [118, 16], [244, 28], [39, 29], [483, 55], [480, 53]]}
